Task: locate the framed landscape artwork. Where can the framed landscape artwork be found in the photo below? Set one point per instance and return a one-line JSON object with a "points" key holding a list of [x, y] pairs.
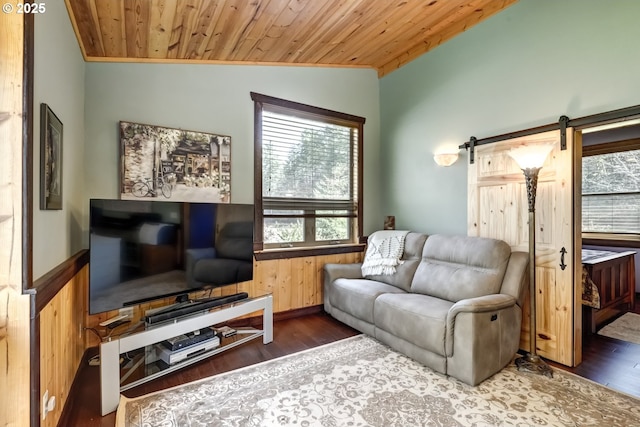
{"points": [[50, 159], [174, 164]]}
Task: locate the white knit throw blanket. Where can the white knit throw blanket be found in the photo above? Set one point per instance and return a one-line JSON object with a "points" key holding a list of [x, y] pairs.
{"points": [[384, 250]]}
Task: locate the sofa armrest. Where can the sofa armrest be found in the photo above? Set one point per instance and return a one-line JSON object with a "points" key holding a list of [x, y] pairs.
{"points": [[191, 257], [338, 271], [483, 304]]}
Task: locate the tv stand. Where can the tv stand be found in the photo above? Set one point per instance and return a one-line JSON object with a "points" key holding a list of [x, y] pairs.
{"points": [[146, 337]]}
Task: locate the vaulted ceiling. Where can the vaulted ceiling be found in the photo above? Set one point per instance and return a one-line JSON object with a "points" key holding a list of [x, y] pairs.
{"points": [[379, 34]]}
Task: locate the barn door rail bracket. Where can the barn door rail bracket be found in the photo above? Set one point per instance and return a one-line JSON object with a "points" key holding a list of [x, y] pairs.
{"points": [[563, 122]]}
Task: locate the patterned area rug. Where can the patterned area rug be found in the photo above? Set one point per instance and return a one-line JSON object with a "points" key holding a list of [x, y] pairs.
{"points": [[360, 382], [625, 328]]}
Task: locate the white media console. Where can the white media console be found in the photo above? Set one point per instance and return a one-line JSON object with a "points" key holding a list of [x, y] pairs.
{"points": [[111, 350]]}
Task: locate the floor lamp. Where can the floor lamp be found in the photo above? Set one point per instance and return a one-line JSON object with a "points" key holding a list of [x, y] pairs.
{"points": [[530, 158]]}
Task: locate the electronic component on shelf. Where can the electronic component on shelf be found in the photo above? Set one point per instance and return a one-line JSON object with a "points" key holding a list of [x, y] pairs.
{"points": [[171, 357], [186, 340], [193, 307], [226, 331]]}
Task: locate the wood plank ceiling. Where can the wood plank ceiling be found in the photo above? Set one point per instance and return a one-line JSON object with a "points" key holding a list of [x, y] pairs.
{"points": [[379, 34]]}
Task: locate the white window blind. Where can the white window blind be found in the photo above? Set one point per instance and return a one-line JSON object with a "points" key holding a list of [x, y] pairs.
{"points": [[611, 193]]}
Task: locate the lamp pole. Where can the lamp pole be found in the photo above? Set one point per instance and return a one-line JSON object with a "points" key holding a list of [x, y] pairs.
{"points": [[531, 362]]}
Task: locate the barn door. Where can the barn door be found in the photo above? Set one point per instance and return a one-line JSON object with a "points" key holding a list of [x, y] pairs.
{"points": [[498, 208]]}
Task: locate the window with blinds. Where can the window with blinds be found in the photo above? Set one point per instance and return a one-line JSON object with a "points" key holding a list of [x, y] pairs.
{"points": [[310, 187], [611, 192]]}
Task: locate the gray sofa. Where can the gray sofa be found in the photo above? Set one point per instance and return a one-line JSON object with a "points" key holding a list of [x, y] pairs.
{"points": [[454, 304]]}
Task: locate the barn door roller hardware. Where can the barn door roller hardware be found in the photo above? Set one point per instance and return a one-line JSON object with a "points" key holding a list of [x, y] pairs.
{"points": [[563, 121]]}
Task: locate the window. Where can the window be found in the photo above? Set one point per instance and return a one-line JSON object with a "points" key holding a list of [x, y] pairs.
{"points": [[611, 188], [308, 175]]}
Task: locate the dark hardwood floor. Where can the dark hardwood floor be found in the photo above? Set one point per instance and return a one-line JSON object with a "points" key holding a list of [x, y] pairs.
{"points": [[607, 361], [289, 336], [611, 362]]}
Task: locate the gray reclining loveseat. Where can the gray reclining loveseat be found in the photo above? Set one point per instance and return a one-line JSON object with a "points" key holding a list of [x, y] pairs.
{"points": [[454, 304]]}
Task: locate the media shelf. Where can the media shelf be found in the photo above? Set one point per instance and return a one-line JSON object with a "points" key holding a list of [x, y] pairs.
{"points": [[139, 347]]}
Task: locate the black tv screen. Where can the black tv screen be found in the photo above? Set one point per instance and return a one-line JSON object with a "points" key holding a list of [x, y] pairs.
{"points": [[146, 250]]}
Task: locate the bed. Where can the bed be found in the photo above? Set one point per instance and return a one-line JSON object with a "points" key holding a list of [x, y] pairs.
{"points": [[608, 286]]}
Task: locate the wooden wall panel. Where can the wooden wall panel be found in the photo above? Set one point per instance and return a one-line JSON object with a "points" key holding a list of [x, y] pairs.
{"points": [[62, 342], [14, 306], [294, 282]]}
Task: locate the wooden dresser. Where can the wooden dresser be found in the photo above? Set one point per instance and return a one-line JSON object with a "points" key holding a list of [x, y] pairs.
{"points": [[614, 276]]}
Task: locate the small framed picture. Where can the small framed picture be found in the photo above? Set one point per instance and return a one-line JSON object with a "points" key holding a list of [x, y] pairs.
{"points": [[50, 159], [390, 222]]}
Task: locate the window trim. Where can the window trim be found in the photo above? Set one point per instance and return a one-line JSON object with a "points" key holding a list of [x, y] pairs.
{"points": [[325, 115], [610, 147]]}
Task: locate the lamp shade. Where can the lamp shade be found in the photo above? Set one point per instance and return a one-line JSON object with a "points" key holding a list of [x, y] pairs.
{"points": [[445, 159], [531, 156]]}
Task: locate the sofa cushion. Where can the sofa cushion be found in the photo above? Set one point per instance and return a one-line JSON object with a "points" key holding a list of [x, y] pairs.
{"points": [[356, 296], [413, 246], [418, 319], [460, 267]]}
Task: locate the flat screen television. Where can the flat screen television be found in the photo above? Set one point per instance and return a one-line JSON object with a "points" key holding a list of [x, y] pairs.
{"points": [[145, 250]]}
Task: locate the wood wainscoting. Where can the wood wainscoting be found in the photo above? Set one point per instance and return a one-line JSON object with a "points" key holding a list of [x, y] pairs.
{"points": [[62, 335], [295, 283]]}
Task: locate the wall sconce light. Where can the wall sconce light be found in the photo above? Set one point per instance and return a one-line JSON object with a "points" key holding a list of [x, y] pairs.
{"points": [[445, 159], [530, 158]]}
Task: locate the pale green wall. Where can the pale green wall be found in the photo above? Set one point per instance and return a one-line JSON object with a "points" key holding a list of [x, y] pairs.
{"points": [[524, 67], [58, 82], [527, 66], [215, 98]]}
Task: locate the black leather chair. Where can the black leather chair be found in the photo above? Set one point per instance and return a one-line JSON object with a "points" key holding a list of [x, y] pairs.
{"points": [[230, 261]]}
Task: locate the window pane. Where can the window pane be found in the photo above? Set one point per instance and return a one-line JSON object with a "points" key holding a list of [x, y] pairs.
{"points": [[283, 230], [611, 173], [328, 229], [611, 192]]}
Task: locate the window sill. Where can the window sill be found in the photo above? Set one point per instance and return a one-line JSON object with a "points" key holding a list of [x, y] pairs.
{"points": [[286, 253]]}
